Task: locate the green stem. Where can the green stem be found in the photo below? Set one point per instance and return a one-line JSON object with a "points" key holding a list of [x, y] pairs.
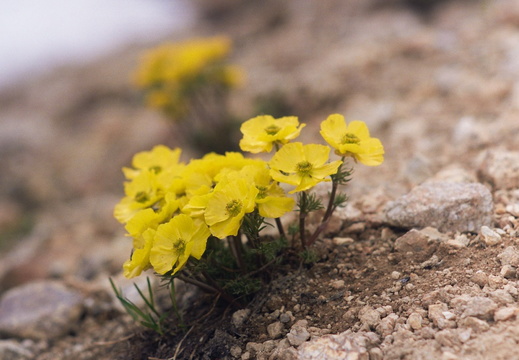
{"points": [[173, 296], [237, 250], [302, 217], [329, 209]]}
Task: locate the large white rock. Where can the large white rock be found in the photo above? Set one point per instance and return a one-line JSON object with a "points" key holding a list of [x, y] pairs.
{"points": [[446, 206]]}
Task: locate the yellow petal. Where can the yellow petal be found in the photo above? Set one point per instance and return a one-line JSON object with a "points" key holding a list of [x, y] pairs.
{"points": [[332, 129], [275, 207], [358, 128], [326, 170], [287, 157], [226, 228], [316, 154]]}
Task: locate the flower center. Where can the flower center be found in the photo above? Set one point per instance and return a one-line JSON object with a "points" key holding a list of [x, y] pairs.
{"points": [[304, 168], [262, 192], [156, 169], [272, 129], [349, 138], [141, 197], [179, 245], [233, 207]]}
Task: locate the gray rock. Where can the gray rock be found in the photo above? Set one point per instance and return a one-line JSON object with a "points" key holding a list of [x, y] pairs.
{"points": [[500, 168], [369, 317], [475, 324], [480, 278], [40, 310], [235, 351], [298, 334], [489, 236], [506, 313], [412, 241], [480, 307], [12, 350], [285, 318], [510, 256], [502, 297], [239, 317], [275, 330], [431, 262], [376, 354], [387, 325], [508, 272], [436, 313], [415, 321], [444, 205], [345, 346], [289, 353], [459, 242], [338, 284]]}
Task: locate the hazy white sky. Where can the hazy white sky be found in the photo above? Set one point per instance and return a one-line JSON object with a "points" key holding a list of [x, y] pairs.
{"points": [[38, 34]]}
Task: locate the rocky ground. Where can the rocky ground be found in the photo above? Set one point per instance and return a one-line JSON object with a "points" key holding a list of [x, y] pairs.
{"points": [[421, 264]]}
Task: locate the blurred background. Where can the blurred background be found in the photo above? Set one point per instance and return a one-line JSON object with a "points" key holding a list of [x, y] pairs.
{"points": [[436, 81], [37, 37], [67, 114]]}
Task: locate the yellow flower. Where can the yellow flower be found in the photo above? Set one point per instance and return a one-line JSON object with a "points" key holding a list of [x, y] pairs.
{"points": [[227, 206], [262, 132], [175, 242], [159, 160], [140, 259], [302, 166], [142, 192], [271, 199], [139, 223], [352, 140]]}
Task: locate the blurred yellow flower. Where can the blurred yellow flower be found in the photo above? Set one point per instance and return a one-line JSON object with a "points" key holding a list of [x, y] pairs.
{"points": [[303, 166], [352, 139], [228, 204], [171, 73], [262, 132], [140, 259], [175, 242]]}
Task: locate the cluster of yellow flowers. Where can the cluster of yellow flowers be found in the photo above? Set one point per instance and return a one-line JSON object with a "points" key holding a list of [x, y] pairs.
{"points": [[170, 208], [170, 73]]}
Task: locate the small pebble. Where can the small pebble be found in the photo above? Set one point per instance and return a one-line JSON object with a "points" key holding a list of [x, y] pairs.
{"points": [[338, 284], [504, 314], [342, 241], [284, 318], [239, 317], [395, 275], [489, 236], [508, 272], [480, 278], [275, 330], [236, 351], [415, 321]]}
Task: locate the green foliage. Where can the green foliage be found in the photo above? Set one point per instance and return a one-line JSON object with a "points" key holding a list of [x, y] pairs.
{"points": [[308, 202], [149, 317], [340, 200], [309, 256], [343, 176]]}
